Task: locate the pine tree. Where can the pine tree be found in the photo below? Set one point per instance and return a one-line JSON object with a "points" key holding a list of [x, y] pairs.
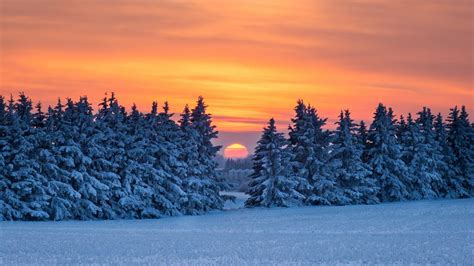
{"points": [[10, 204], [274, 184], [427, 161], [309, 146], [384, 157], [159, 168], [168, 136], [405, 138], [98, 178], [61, 204], [304, 161], [201, 123], [409, 136], [136, 194], [453, 183], [38, 120], [362, 137], [110, 122], [27, 183], [353, 176], [191, 182], [461, 141]]}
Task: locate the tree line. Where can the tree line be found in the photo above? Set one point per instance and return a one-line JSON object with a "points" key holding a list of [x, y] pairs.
{"points": [[72, 163], [393, 160]]}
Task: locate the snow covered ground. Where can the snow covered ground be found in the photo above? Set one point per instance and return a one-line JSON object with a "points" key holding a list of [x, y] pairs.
{"points": [[421, 232]]}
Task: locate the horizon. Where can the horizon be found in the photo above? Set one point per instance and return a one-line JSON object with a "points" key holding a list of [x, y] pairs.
{"points": [[246, 138]]}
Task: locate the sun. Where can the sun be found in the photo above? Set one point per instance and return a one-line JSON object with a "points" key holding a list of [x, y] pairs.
{"points": [[236, 151]]}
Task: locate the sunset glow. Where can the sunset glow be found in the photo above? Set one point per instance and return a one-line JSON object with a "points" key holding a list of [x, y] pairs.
{"points": [[251, 60], [236, 151]]}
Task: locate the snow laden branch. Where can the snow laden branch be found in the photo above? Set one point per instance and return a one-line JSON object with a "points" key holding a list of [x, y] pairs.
{"points": [[422, 158], [70, 163]]}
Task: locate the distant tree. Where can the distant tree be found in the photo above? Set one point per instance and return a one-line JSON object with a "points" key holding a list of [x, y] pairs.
{"points": [[39, 117], [362, 136], [275, 183], [240, 163]]}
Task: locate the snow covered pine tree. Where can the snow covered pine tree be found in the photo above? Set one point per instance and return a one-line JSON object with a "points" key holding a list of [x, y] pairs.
{"points": [[384, 157], [354, 181], [274, 184]]}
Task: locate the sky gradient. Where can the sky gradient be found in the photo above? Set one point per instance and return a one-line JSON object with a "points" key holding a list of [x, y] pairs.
{"points": [[251, 60]]}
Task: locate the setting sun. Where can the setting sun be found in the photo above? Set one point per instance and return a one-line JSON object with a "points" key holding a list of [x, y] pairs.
{"points": [[236, 150]]}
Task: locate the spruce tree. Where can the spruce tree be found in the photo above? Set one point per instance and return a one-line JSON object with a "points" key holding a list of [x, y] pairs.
{"points": [[309, 146], [63, 196], [110, 121], [27, 183], [201, 122], [169, 136], [453, 183], [274, 184], [460, 139], [384, 157], [158, 175], [10, 204], [362, 137], [428, 159], [304, 161], [191, 181], [353, 176], [89, 155], [135, 194], [409, 137]]}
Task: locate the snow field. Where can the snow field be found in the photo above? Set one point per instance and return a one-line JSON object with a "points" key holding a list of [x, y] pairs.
{"points": [[420, 232]]}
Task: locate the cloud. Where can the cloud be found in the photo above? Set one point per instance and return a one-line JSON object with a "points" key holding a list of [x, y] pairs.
{"points": [[250, 59]]}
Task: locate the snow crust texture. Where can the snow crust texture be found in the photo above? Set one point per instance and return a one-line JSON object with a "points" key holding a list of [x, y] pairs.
{"points": [[421, 232]]}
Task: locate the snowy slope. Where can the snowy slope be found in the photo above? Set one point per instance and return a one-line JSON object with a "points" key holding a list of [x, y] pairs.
{"points": [[412, 232]]}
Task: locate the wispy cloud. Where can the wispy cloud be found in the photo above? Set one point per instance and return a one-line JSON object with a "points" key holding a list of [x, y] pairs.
{"points": [[250, 59]]}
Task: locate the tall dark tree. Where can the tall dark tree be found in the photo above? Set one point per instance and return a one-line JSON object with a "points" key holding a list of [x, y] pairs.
{"points": [[384, 157], [10, 204], [428, 159], [460, 138], [453, 183], [303, 147], [274, 184], [309, 145], [192, 183], [353, 176], [25, 177], [201, 123]]}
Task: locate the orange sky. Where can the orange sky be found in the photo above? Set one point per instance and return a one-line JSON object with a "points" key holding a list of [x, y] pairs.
{"points": [[251, 60]]}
